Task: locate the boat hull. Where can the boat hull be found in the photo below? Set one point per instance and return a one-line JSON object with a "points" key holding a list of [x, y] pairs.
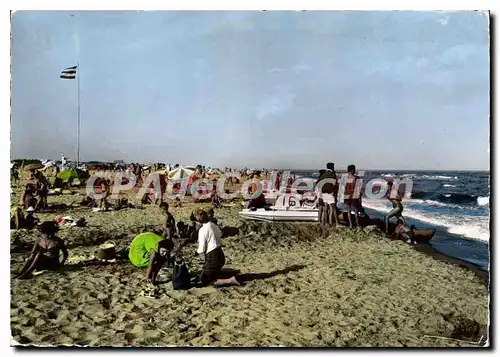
{"points": [[275, 215]]}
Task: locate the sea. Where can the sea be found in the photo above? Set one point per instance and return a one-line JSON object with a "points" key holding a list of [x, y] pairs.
{"points": [[457, 204]]}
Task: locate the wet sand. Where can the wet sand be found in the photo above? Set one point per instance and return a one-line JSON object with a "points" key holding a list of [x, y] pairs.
{"points": [[301, 286]]}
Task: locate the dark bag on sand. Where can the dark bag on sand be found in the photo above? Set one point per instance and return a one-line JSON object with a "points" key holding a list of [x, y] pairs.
{"points": [[181, 280]]}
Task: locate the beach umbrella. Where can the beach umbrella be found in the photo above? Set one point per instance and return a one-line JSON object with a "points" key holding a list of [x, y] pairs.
{"points": [[72, 174], [33, 167], [180, 173]]}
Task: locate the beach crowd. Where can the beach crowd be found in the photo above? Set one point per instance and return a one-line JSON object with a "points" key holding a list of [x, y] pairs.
{"points": [[152, 250]]}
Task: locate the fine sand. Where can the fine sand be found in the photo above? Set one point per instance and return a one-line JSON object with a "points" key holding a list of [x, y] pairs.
{"points": [[300, 287]]}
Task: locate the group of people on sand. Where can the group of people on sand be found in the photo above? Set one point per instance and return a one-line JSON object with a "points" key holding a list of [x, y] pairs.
{"points": [[328, 191], [33, 198], [328, 200], [150, 250]]}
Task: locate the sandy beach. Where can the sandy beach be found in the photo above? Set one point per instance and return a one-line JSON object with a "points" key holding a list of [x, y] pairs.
{"points": [[301, 286]]}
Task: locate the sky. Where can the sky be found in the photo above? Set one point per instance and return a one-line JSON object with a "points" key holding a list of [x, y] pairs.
{"points": [[381, 90]]}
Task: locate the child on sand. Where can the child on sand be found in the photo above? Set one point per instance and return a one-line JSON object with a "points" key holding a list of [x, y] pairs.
{"points": [[209, 245], [152, 251], [45, 252], [169, 221]]}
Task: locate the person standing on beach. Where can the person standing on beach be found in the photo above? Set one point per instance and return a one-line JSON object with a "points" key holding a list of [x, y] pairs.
{"points": [[327, 201], [45, 252], [105, 191], [169, 222], [209, 245], [351, 197], [42, 190], [260, 200], [14, 175], [152, 251], [63, 162], [397, 206], [28, 196]]}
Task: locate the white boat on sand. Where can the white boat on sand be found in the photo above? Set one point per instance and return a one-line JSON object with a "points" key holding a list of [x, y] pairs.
{"points": [[263, 214], [288, 207]]}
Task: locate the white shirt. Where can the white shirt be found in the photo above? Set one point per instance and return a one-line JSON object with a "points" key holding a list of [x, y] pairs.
{"points": [[209, 238]]}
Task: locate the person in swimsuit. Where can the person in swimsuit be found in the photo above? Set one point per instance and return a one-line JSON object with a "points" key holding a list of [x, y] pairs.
{"points": [[28, 196], [327, 211], [14, 175], [151, 251], [352, 202], [209, 245], [404, 232], [169, 222], [45, 252], [397, 206], [105, 190], [259, 201], [42, 190]]}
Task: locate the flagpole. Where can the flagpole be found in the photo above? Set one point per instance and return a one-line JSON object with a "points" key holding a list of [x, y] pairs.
{"points": [[78, 125]]}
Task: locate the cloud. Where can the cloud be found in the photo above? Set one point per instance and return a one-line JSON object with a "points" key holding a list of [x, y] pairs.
{"points": [[301, 68], [275, 104], [275, 70], [444, 20]]}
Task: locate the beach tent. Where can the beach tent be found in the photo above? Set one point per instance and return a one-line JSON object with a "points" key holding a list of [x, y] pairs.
{"points": [[180, 173], [71, 174]]}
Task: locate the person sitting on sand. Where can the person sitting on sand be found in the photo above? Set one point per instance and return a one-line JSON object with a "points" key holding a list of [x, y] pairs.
{"points": [[169, 221], [397, 206], [350, 200], [211, 216], [209, 245], [404, 232], [152, 251], [45, 252], [182, 230]]}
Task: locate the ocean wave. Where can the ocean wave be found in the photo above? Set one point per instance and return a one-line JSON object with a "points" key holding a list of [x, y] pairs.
{"points": [[436, 177], [483, 201], [474, 227], [434, 203], [451, 198], [448, 185]]}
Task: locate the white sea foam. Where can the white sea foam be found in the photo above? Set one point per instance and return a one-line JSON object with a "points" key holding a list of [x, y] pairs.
{"points": [[483, 201], [437, 177], [448, 185], [475, 227], [435, 203]]}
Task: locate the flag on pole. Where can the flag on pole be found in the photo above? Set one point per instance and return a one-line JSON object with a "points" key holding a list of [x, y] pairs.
{"points": [[69, 73]]}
